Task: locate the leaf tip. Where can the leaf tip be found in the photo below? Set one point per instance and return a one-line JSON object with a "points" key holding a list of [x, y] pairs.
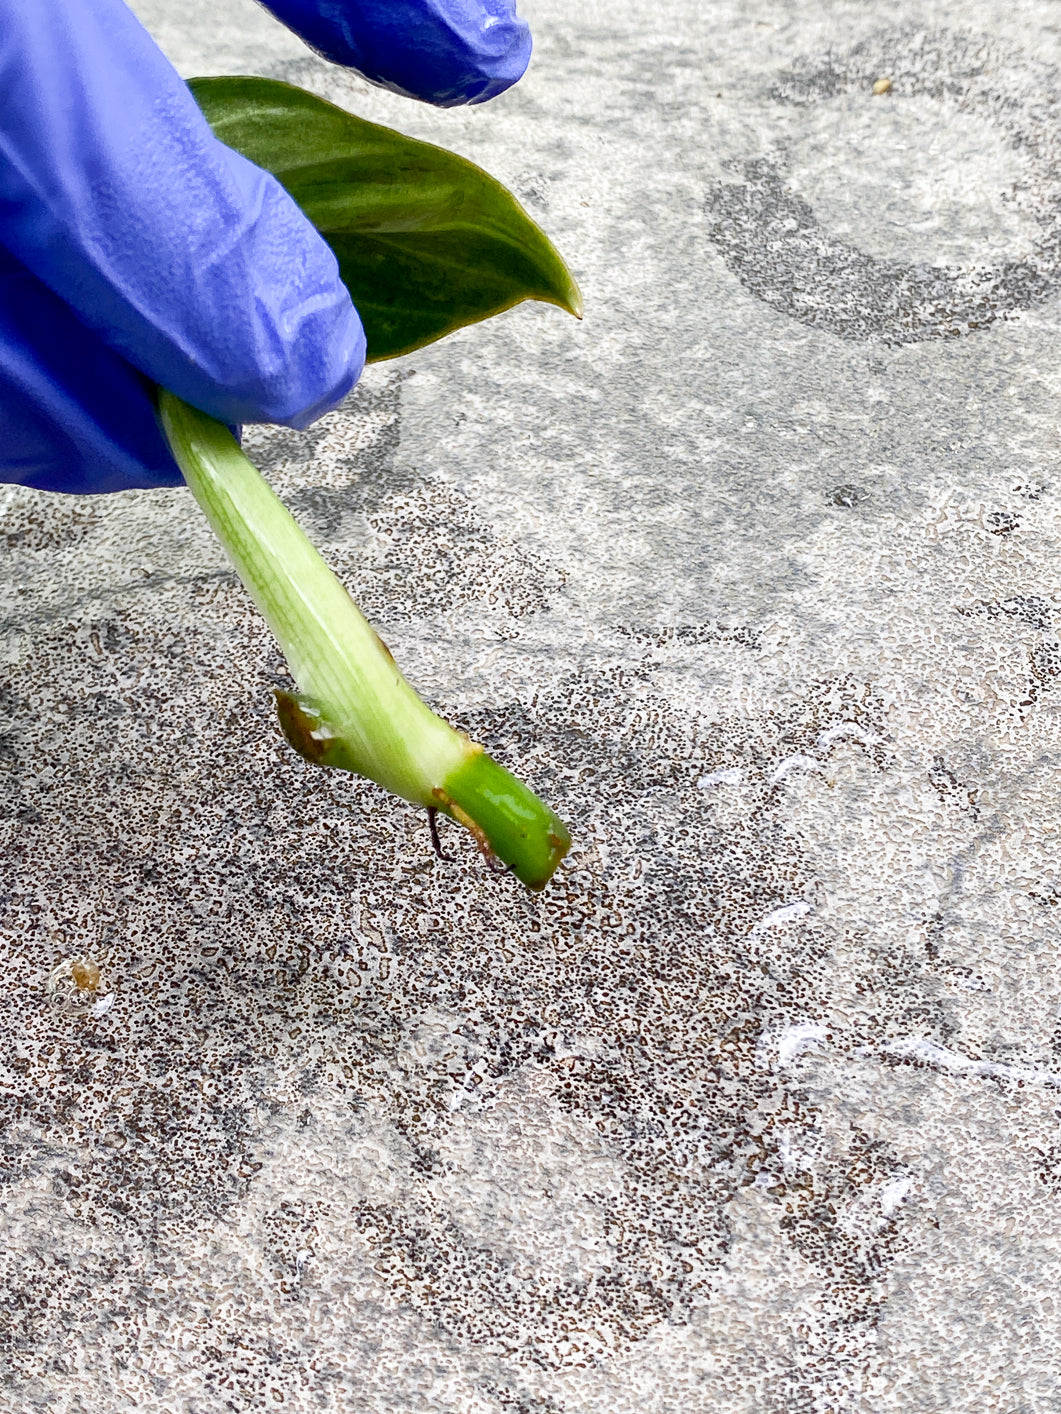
{"points": [[566, 296]]}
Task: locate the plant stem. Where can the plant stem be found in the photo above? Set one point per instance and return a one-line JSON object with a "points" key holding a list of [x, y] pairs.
{"points": [[358, 712]]}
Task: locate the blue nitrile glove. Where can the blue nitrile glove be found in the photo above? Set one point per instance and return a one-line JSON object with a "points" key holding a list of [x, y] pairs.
{"points": [[445, 51], [133, 244], [136, 249]]}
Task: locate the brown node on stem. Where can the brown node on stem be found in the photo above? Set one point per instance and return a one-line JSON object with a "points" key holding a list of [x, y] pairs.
{"points": [[311, 735], [300, 729]]}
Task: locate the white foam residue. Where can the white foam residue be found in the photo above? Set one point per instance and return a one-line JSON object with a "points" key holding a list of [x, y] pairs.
{"points": [[794, 1040], [799, 762], [789, 1153], [732, 776], [893, 1194], [847, 730], [918, 1048], [778, 917], [103, 1006]]}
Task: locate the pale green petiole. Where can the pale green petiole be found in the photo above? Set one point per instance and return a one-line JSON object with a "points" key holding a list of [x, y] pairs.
{"points": [[358, 712]]}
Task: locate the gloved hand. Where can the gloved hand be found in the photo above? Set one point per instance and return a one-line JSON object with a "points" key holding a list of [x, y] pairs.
{"points": [[136, 249], [445, 51]]}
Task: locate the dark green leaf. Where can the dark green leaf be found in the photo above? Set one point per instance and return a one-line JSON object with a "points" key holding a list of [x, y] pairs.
{"points": [[426, 241]]}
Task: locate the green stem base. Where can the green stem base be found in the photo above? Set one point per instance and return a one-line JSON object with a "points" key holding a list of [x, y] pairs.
{"points": [[508, 820]]}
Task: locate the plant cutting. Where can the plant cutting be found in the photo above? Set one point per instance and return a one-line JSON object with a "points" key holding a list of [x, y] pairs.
{"points": [[426, 243]]}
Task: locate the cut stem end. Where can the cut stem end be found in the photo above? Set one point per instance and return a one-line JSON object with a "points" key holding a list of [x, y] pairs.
{"points": [[507, 820]]}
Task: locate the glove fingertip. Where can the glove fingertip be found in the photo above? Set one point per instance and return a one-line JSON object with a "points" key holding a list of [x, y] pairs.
{"points": [[327, 379]]}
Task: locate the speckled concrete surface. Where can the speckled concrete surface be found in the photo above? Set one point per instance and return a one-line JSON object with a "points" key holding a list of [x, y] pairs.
{"points": [[755, 574]]}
